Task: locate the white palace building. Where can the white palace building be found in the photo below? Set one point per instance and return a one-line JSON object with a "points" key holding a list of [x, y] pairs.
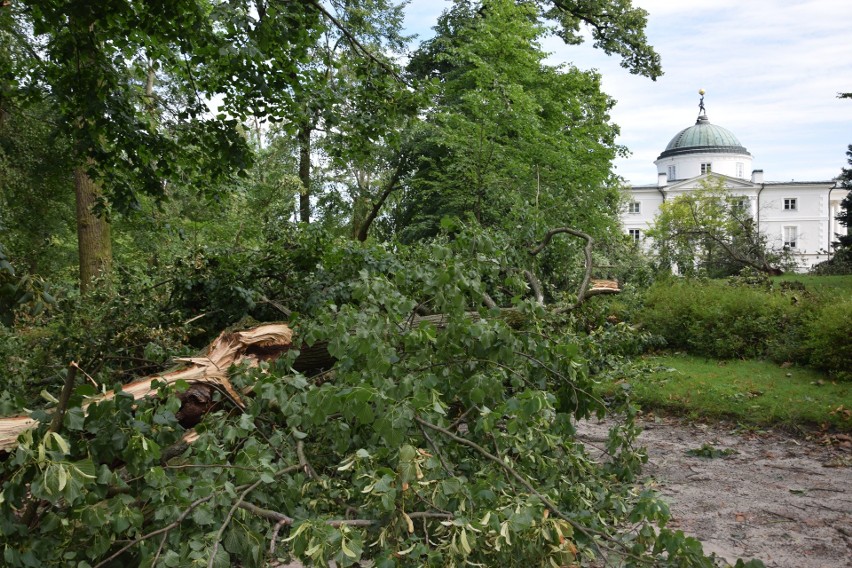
{"points": [[796, 215]]}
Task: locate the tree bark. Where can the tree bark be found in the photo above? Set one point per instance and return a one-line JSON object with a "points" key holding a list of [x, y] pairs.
{"points": [[93, 232], [304, 138]]}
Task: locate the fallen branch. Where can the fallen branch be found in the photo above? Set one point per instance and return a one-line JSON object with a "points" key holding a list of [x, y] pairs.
{"points": [[583, 292], [209, 373], [262, 343]]}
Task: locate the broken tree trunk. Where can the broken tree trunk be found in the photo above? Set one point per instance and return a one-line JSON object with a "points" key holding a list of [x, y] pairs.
{"points": [[204, 374]]}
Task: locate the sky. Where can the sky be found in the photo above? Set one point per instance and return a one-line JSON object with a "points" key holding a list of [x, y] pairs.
{"points": [[771, 70]]}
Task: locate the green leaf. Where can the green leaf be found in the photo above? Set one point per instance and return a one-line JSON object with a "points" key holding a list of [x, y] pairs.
{"points": [[346, 550], [85, 468], [49, 397], [62, 477], [203, 515], [60, 441]]}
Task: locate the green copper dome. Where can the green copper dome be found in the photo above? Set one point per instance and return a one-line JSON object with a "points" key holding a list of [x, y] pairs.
{"points": [[701, 138]]}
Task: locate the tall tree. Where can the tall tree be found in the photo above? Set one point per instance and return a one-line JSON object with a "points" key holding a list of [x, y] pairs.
{"points": [[349, 87], [844, 242], [509, 139], [94, 62]]}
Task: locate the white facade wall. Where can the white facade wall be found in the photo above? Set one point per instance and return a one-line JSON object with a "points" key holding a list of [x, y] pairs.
{"points": [[689, 166], [649, 200], [812, 219]]}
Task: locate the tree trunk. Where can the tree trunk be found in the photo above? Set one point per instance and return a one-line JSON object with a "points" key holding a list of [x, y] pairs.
{"points": [[391, 186], [93, 232], [304, 137]]}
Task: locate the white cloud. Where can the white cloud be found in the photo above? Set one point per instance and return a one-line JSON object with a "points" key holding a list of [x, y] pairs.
{"points": [[772, 70]]}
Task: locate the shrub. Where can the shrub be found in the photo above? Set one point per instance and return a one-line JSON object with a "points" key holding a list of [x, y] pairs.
{"points": [[718, 320], [830, 340], [840, 264]]}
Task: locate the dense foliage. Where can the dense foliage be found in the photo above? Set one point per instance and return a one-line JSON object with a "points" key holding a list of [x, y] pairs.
{"points": [[509, 140], [438, 442], [829, 339], [750, 317], [841, 261], [422, 445], [711, 232]]}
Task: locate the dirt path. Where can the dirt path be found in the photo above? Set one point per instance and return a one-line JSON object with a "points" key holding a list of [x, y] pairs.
{"points": [[785, 501]]}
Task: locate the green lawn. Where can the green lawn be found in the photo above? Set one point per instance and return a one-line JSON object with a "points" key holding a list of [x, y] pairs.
{"points": [[818, 283], [749, 392]]}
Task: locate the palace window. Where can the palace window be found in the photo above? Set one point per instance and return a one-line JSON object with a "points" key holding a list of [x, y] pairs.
{"points": [[635, 234], [706, 168], [672, 173], [790, 204], [740, 170], [790, 237], [634, 207]]}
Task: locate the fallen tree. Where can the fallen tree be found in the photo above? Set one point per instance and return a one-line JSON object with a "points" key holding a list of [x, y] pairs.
{"points": [[209, 371], [415, 441]]}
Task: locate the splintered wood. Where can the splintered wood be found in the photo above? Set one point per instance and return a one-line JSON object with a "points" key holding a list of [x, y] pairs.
{"points": [[262, 343]]}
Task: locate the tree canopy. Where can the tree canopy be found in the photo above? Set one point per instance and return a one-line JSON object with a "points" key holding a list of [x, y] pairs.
{"points": [[845, 215], [509, 139]]}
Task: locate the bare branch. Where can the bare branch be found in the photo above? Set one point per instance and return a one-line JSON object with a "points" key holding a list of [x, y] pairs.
{"points": [[587, 253], [535, 285], [437, 450], [274, 537], [303, 460], [489, 302], [283, 519], [227, 521]]}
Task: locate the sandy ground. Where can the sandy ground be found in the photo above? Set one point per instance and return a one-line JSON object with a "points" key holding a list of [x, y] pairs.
{"points": [[786, 501]]}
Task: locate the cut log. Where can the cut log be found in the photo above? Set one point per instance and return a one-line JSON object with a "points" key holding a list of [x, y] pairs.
{"points": [[210, 371], [603, 287]]}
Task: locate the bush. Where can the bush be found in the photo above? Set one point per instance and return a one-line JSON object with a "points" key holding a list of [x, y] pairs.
{"points": [[839, 264], [833, 267], [718, 320], [830, 340]]}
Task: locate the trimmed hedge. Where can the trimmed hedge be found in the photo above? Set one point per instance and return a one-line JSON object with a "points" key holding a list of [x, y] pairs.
{"points": [[718, 320]]}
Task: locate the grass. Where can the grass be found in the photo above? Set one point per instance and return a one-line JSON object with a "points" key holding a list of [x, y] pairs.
{"points": [[753, 393], [815, 283]]}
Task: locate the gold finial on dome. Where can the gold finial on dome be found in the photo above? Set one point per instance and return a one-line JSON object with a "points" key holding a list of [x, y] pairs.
{"points": [[701, 112], [701, 92]]}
